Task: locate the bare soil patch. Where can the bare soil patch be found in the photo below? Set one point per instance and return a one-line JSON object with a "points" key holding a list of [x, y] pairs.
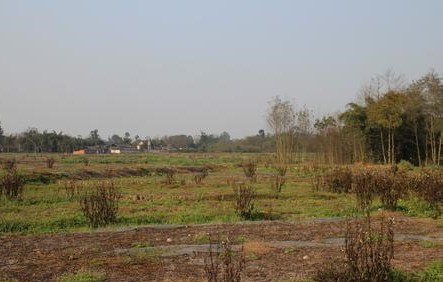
{"points": [[275, 250]]}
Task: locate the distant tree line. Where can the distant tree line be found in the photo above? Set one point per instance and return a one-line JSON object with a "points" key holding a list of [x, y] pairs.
{"points": [[392, 121], [34, 141]]}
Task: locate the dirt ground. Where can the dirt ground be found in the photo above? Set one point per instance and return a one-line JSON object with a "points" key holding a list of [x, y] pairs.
{"points": [[274, 250]]}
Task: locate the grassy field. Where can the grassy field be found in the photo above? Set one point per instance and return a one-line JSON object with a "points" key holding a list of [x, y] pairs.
{"points": [[46, 207]]}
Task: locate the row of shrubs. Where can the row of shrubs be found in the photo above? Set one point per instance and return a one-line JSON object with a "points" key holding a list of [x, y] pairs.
{"points": [[389, 184]]}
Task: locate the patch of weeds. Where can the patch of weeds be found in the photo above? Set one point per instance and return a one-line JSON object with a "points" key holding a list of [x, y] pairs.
{"points": [[252, 257], [192, 217], [240, 239], [141, 245], [142, 255], [201, 238], [289, 250], [429, 244], [434, 272], [417, 207], [82, 276], [14, 226], [69, 222], [4, 279], [402, 276]]}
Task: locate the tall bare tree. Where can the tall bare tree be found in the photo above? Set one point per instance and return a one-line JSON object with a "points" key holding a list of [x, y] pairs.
{"points": [[281, 120]]}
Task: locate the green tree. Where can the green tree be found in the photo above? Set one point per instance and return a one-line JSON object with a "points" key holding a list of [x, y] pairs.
{"points": [[386, 114], [355, 123], [127, 138]]}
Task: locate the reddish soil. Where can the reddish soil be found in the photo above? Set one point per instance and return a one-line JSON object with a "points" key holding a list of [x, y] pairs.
{"points": [[122, 255]]}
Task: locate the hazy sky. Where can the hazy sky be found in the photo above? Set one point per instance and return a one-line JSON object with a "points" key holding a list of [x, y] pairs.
{"points": [[171, 67]]}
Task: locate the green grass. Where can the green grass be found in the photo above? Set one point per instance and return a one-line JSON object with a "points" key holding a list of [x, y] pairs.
{"points": [[46, 208], [433, 272], [82, 276]]}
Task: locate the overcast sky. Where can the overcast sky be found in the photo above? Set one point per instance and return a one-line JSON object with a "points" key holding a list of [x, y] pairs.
{"points": [[170, 67]]}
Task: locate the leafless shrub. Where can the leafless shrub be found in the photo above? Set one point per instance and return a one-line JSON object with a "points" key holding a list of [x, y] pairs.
{"points": [[199, 177], [85, 161], [9, 164], [279, 178], [317, 183], [339, 180], [11, 184], [71, 187], [244, 199], [170, 175], [250, 170], [50, 162], [231, 180], [224, 264], [368, 253], [100, 205]]}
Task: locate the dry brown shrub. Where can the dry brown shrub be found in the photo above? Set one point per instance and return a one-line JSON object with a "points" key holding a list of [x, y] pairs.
{"points": [[244, 195], [199, 177], [429, 186], [368, 253], [391, 186], [100, 205], [50, 162], [279, 178], [11, 185], [364, 186], [9, 164], [224, 264], [339, 180], [250, 170]]}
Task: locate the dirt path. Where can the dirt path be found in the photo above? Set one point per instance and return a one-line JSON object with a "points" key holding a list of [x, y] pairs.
{"points": [[275, 250]]}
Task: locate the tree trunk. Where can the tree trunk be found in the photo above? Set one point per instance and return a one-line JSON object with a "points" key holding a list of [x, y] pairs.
{"points": [[383, 146], [439, 149], [417, 143], [389, 146], [393, 147]]}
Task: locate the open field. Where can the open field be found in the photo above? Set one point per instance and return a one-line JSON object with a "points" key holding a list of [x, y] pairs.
{"points": [[290, 234]]}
